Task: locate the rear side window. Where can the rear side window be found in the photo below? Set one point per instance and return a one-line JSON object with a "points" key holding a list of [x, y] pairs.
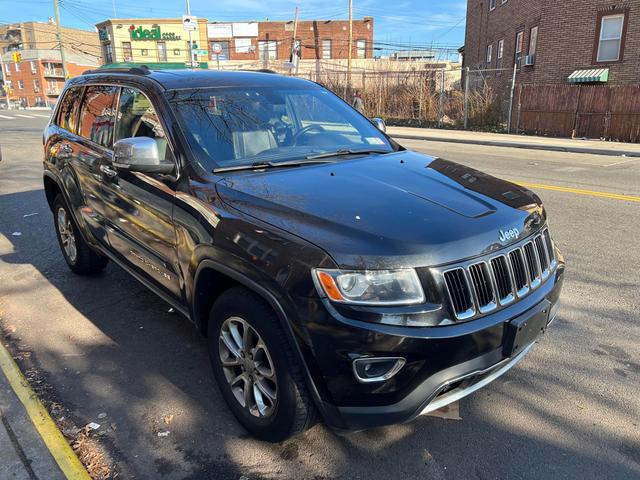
{"points": [[97, 115], [68, 112]]}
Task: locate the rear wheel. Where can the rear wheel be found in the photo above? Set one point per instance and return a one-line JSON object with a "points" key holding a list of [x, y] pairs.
{"points": [[78, 255], [255, 368]]}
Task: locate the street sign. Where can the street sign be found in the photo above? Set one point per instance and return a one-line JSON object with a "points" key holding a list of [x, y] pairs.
{"points": [[200, 51], [216, 49], [190, 23]]}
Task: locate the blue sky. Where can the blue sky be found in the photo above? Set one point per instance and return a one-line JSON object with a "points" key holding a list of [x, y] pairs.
{"points": [[416, 23]]}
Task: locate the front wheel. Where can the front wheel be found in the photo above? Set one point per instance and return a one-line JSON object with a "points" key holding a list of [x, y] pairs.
{"points": [[255, 368]]}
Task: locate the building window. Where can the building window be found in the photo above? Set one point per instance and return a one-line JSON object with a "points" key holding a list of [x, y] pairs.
{"points": [[519, 43], [611, 38], [489, 53], [361, 48], [533, 41], [126, 52], [20, 84], [7, 67], [326, 49], [36, 85], [267, 50], [33, 66], [17, 66], [162, 51], [500, 49], [492, 4], [107, 52]]}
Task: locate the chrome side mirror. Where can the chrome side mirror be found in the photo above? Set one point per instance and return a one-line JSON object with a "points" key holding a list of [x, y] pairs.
{"points": [[379, 123], [140, 154]]}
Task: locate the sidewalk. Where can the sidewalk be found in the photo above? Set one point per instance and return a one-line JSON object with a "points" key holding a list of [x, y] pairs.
{"points": [[31, 446], [593, 147]]}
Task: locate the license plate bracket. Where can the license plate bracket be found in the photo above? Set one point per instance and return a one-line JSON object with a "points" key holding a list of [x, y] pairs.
{"points": [[525, 329]]}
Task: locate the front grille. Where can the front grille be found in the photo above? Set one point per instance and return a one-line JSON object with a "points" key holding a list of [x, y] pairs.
{"points": [[478, 288]]}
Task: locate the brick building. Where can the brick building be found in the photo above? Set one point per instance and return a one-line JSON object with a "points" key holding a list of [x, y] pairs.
{"points": [[42, 36], [37, 80], [591, 41], [316, 39]]}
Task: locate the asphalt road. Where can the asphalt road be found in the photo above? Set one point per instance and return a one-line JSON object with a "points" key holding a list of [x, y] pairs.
{"points": [[106, 345]]}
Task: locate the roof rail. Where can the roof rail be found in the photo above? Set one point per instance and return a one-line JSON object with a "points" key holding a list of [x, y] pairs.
{"points": [[141, 70]]}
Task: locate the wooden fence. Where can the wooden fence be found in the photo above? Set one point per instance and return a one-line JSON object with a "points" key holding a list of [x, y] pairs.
{"points": [[591, 111]]}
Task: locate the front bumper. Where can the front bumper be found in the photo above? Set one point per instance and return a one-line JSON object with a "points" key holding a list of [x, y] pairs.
{"points": [[443, 365]]}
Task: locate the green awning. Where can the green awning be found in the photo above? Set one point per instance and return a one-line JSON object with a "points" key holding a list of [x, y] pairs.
{"points": [[592, 75]]}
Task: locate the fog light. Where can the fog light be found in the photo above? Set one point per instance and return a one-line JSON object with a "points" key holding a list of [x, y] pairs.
{"points": [[371, 369]]}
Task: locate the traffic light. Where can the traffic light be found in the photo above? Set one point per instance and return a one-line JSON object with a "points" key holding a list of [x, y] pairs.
{"points": [[17, 57]]}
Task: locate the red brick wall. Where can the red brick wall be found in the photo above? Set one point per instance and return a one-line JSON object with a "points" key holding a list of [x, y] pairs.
{"points": [[566, 36], [311, 34]]}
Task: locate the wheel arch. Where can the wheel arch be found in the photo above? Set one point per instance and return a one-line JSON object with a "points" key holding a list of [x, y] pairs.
{"points": [[234, 278], [51, 188]]}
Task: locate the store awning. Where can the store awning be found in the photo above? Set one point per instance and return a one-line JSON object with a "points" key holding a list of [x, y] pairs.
{"points": [[592, 75]]}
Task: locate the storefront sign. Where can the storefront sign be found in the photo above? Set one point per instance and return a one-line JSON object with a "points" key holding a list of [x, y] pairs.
{"points": [[153, 33]]}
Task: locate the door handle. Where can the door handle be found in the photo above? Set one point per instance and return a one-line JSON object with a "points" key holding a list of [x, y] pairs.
{"points": [[108, 171]]}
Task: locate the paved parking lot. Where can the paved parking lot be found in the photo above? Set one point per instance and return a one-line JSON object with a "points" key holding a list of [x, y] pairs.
{"points": [[107, 346]]}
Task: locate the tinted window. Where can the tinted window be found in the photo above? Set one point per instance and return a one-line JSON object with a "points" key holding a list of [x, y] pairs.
{"points": [[68, 111], [96, 114], [138, 118]]}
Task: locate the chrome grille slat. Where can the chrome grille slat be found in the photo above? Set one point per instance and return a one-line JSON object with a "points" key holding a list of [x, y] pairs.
{"points": [[482, 287], [459, 293], [503, 281], [479, 287]]}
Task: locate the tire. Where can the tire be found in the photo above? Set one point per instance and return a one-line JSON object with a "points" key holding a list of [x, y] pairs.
{"points": [[78, 255], [292, 411]]}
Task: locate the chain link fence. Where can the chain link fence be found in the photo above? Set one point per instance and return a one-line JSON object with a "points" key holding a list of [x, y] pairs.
{"points": [[438, 97]]}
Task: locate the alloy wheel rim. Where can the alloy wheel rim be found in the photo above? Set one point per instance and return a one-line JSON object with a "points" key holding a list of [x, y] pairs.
{"points": [[67, 238], [248, 367]]}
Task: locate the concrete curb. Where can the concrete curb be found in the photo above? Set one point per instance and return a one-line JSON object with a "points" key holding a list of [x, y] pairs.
{"points": [[528, 146], [54, 441]]}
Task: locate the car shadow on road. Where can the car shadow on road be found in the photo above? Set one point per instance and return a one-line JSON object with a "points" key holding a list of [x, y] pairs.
{"points": [[106, 344]]}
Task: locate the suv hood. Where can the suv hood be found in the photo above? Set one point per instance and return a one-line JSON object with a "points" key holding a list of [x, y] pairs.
{"points": [[396, 210]]}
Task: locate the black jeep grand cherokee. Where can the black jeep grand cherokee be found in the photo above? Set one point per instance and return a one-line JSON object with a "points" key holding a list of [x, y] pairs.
{"points": [[333, 271]]}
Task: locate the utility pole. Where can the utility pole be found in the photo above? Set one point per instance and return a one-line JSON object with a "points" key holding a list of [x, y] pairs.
{"points": [[513, 89], [441, 106], [59, 35], [190, 42], [466, 97], [350, 46], [4, 78], [294, 49]]}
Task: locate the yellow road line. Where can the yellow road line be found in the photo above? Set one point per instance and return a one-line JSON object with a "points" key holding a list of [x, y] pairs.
{"points": [[578, 191], [53, 438]]}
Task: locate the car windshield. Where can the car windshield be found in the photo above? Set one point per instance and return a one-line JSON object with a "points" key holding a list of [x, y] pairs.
{"points": [[233, 127]]}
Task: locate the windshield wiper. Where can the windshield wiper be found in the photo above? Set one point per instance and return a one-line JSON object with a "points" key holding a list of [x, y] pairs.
{"points": [[265, 165], [347, 151]]}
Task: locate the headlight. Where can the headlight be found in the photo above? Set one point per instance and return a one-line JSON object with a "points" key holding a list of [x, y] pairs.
{"points": [[370, 287]]}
